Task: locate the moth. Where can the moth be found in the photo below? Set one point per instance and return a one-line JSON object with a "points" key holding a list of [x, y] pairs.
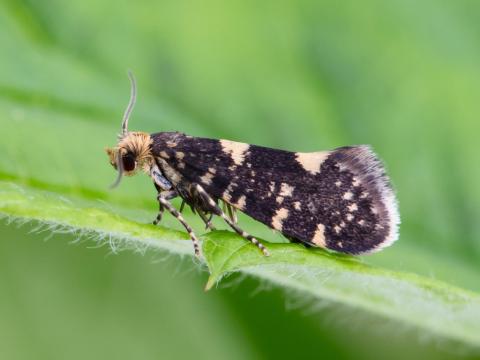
{"points": [[340, 199]]}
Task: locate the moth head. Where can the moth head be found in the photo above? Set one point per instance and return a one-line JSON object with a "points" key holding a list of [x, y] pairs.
{"points": [[133, 150]]}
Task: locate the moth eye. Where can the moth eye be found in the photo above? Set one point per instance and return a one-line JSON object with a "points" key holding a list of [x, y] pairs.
{"points": [[128, 162]]}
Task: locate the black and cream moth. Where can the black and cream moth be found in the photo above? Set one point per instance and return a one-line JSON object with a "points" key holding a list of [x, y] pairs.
{"points": [[339, 200]]}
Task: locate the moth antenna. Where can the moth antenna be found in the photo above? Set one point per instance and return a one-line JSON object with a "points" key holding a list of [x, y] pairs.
{"points": [[131, 103], [120, 171]]}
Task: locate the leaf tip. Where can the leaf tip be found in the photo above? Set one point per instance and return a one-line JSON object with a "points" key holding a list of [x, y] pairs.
{"points": [[210, 283]]}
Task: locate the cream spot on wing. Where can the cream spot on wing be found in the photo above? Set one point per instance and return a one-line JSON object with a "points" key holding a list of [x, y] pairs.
{"points": [[272, 186], [349, 217], [311, 162], [297, 205], [374, 210], [279, 199], [352, 207], [212, 170], [355, 182], [207, 178], [171, 144], [338, 183], [169, 172], [348, 195], [227, 196], [363, 195], [240, 204], [342, 224], [164, 155], [278, 218], [337, 229], [340, 245], [361, 222], [236, 150], [227, 193], [319, 236], [179, 155], [181, 165], [286, 190]]}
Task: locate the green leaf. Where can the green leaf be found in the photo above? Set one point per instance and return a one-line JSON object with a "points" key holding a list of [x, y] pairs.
{"points": [[432, 305], [60, 213]]}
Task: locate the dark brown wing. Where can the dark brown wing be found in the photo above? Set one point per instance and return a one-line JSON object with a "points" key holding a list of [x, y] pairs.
{"points": [[339, 199]]}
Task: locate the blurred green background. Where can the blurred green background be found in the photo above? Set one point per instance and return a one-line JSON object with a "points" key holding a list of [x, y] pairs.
{"points": [[403, 76]]}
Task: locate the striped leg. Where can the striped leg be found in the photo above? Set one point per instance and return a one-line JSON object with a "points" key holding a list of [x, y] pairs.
{"points": [[169, 195], [218, 211], [161, 209], [168, 205]]}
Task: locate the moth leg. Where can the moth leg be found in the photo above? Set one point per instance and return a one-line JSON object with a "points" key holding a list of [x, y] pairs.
{"points": [[161, 209], [218, 211], [169, 194], [230, 210], [168, 205], [206, 220], [210, 220], [182, 206], [232, 213]]}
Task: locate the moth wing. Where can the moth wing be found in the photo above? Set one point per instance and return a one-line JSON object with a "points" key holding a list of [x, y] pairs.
{"points": [[339, 199]]}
